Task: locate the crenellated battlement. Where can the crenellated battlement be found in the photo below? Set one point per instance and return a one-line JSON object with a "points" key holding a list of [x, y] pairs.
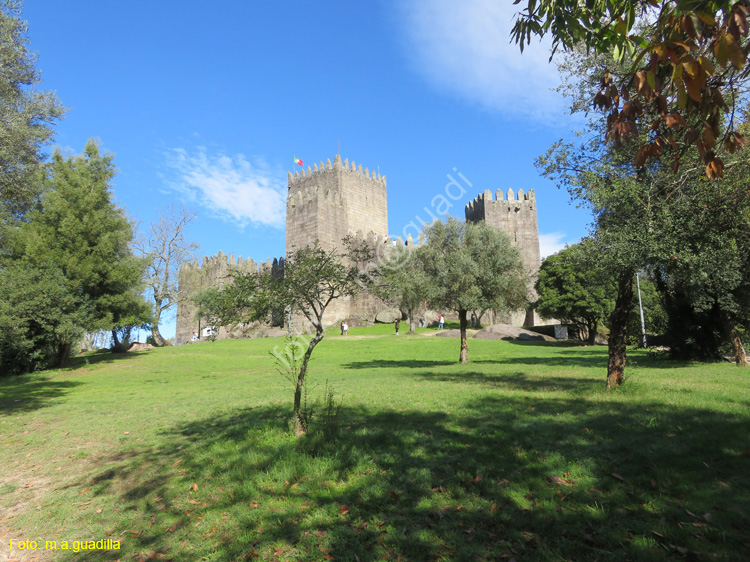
{"points": [[509, 198], [299, 176]]}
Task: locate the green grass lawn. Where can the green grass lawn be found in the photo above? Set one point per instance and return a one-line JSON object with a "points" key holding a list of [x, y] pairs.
{"points": [[185, 453]]}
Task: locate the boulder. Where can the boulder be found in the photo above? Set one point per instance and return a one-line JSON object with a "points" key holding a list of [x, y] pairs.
{"points": [[508, 332], [388, 316]]}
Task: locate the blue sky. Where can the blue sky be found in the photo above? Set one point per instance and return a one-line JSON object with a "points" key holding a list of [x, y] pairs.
{"points": [[206, 104]]}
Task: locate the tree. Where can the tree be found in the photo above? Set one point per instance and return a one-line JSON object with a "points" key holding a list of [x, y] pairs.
{"points": [[38, 310], [688, 67], [573, 287], [401, 280], [312, 279], [472, 266], [166, 250], [26, 118], [81, 235]]}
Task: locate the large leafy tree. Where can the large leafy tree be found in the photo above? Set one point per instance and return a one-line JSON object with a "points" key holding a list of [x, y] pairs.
{"points": [[472, 266], [686, 65], [166, 250], [573, 286], [26, 117], [81, 234], [400, 279]]}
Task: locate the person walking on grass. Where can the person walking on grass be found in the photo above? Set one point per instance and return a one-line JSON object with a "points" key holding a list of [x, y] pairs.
{"points": [[398, 323], [441, 321]]}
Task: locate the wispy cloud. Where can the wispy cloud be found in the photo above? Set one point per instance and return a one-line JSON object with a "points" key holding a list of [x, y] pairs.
{"points": [[552, 242], [229, 187], [464, 48]]}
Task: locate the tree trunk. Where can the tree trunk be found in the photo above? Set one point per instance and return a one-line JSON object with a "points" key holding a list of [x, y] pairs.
{"points": [[159, 340], [592, 333], [618, 333], [464, 357], [731, 331], [300, 417], [412, 326], [61, 354], [117, 346]]}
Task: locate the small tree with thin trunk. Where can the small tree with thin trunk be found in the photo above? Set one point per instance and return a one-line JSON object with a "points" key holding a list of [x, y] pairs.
{"points": [[472, 266], [312, 279], [166, 249]]}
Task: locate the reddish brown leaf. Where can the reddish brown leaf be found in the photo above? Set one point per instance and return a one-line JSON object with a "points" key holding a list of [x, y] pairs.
{"points": [[328, 557], [494, 507], [177, 462], [174, 527], [84, 491], [344, 510], [254, 505], [194, 487]]}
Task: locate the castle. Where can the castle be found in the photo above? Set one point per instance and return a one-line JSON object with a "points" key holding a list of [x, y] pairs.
{"points": [[334, 200]]}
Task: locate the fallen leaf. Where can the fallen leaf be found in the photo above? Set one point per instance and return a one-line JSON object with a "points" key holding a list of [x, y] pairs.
{"points": [[98, 511], [494, 507], [161, 506], [393, 494], [344, 510], [560, 481], [194, 487], [328, 557], [254, 505], [84, 491], [177, 462], [620, 478]]}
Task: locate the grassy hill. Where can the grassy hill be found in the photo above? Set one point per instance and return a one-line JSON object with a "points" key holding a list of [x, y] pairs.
{"points": [[185, 453]]}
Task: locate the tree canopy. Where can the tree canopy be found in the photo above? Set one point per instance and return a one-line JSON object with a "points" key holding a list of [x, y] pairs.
{"points": [[472, 267], [573, 287], [687, 65], [26, 117]]}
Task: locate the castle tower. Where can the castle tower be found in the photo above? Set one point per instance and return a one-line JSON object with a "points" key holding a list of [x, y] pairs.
{"points": [[515, 215], [331, 201]]}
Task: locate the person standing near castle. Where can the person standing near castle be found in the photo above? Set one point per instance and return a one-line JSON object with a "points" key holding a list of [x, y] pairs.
{"points": [[346, 328], [441, 321], [398, 323]]}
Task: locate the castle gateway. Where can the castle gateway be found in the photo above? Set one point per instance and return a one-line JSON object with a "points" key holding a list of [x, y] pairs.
{"points": [[328, 203]]}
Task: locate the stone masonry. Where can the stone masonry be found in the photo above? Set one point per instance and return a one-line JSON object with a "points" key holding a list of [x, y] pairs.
{"points": [[329, 201]]}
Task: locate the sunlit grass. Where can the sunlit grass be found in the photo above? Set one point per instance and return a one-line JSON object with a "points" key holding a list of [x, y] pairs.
{"points": [[186, 452]]}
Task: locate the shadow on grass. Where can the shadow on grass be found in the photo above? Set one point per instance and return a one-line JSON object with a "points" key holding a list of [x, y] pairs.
{"points": [[102, 356], [521, 381], [25, 393], [554, 479], [397, 364]]}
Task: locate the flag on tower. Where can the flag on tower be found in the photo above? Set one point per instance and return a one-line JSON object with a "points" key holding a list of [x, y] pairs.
{"points": [[298, 161]]}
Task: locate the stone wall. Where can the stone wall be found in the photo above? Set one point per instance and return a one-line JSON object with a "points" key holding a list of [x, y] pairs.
{"points": [[194, 277]]}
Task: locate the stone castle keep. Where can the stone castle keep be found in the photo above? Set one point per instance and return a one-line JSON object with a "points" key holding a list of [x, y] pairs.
{"points": [[334, 200]]}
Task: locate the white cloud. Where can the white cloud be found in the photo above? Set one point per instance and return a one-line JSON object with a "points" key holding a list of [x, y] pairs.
{"points": [[464, 48], [551, 243], [231, 188]]}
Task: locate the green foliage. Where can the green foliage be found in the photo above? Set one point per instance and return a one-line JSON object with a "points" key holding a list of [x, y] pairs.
{"points": [[26, 118], [74, 249], [573, 286], [400, 279], [38, 311], [686, 63], [472, 266]]}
